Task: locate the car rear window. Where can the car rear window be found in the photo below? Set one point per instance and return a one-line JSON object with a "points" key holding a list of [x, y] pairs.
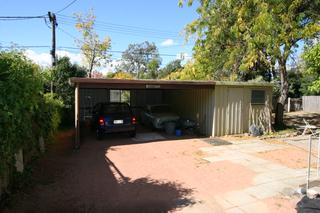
{"points": [[115, 108], [160, 109]]}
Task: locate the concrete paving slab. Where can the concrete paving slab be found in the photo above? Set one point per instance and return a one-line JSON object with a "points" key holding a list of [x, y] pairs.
{"points": [[255, 207], [261, 192], [223, 202], [239, 198]]}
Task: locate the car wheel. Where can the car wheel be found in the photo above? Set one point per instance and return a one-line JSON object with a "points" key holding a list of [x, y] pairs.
{"points": [[132, 134]]}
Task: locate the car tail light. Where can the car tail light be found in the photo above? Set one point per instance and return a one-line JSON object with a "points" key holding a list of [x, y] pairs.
{"points": [[101, 121], [133, 120]]}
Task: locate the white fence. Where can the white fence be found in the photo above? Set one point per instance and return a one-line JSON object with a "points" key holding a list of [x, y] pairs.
{"points": [[311, 103]]}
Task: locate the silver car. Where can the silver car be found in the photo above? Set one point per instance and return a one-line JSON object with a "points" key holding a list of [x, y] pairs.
{"points": [[158, 115]]}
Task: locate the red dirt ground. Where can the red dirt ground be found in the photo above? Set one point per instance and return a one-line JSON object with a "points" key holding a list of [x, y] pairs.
{"points": [[291, 157], [119, 175], [281, 205]]}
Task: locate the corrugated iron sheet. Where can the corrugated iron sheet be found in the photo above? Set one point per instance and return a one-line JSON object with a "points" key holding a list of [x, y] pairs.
{"points": [[195, 104], [234, 113]]}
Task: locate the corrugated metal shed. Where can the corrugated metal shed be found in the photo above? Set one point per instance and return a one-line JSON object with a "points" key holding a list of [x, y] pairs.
{"points": [[220, 108], [234, 112]]}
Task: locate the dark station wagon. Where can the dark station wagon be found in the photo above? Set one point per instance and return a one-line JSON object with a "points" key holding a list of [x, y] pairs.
{"points": [[113, 117]]}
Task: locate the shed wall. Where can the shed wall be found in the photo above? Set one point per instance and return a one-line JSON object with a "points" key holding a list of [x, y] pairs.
{"points": [[234, 113], [311, 103], [195, 104], [141, 98]]}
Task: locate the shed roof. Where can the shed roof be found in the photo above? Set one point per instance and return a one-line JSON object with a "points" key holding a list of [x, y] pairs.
{"points": [[154, 84]]}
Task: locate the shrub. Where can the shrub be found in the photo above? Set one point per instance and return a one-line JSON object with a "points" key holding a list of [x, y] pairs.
{"points": [[25, 113]]}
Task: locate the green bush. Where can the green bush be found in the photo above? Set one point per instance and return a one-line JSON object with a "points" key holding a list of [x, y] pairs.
{"points": [[25, 112]]}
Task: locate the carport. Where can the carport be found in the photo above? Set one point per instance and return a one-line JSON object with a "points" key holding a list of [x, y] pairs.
{"points": [[219, 108]]}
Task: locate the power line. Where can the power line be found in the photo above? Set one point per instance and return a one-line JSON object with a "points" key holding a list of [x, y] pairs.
{"points": [[24, 46], [164, 47], [20, 18], [68, 34], [120, 26], [126, 32], [68, 5], [75, 48]]}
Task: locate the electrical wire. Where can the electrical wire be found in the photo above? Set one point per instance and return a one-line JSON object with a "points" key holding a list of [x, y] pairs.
{"points": [[65, 32], [20, 18], [71, 20], [75, 48], [126, 33], [67, 6]]}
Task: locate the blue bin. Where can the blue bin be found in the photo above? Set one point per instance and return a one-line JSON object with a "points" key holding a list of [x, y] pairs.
{"points": [[178, 132]]}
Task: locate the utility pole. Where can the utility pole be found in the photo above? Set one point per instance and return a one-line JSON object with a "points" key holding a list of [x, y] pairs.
{"points": [[53, 21]]}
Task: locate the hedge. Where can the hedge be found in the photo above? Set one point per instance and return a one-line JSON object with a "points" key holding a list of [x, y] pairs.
{"points": [[26, 113]]}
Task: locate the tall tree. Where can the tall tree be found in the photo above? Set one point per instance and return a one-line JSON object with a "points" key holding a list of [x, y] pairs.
{"points": [[311, 57], [136, 57], [238, 36], [94, 50], [153, 69], [63, 71], [171, 67]]}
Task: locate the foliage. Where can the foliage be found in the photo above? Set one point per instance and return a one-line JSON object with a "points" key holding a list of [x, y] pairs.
{"points": [[136, 59], [95, 51], [50, 114], [120, 75], [294, 80], [20, 88], [171, 67], [153, 68], [25, 113], [311, 57], [189, 72], [62, 72], [240, 36]]}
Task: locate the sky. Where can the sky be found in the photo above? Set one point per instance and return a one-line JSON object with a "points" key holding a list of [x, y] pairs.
{"points": [[125, 22]]}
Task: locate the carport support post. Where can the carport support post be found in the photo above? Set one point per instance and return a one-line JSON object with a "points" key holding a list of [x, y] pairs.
{"points": [[76, 117]]}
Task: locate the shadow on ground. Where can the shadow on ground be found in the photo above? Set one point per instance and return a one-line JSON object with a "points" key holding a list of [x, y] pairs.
{"points": [[86, 180]]}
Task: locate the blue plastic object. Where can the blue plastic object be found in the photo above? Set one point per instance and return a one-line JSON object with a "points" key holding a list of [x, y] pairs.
{"points": [[178, 132]]}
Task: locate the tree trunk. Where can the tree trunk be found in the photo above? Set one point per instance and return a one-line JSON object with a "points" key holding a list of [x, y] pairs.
{"points": [[92, 62], [283, 94]]}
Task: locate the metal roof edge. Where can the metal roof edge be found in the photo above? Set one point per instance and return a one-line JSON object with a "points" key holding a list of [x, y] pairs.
{"points": [[237, 83], [137, 81], [78, 80]]}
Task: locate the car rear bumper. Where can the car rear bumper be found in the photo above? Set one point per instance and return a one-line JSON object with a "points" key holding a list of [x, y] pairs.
{"points": [[115, 129]]}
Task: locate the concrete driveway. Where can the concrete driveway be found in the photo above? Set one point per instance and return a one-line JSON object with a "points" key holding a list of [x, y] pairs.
{"points": [[119, 174]]}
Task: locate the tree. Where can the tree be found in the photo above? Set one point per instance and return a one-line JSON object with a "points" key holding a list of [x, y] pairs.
{"points": [[189, 72], [94, 50], [119, 75], [153, 69], [311, 57], [136, 57], [241, 36], [62, 72], [171, 67]]}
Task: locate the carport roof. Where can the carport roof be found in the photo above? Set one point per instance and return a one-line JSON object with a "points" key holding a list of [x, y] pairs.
{"points": [[139, 84], [153, 84]]}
